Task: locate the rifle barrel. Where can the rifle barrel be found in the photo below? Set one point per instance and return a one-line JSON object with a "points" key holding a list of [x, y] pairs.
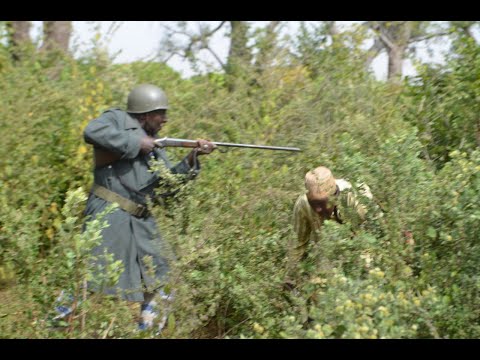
{"points": [[257, 146], [167, 142]]}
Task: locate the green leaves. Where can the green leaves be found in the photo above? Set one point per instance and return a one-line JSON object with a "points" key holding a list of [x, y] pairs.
{"points": [[431, 233], [231, 227]]}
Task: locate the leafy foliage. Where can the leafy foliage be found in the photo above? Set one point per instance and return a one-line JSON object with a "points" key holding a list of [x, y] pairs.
{"points": [[445, 103], [414, 145]]}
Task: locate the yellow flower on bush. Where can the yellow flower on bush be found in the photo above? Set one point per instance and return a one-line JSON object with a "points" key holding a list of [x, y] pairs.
{"points": [[368, 298], [54, 208], [318, 281], [318, 328], [349, 304], [407, 271], [377, 273], [383, 311], [258, 328], [50, 233], [82, 150], [426, 292], [363, 329]]}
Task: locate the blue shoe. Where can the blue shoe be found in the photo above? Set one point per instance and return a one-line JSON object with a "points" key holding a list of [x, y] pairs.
{"points": [[142, 326], [63, 308], [147, 315], [63, 311]]}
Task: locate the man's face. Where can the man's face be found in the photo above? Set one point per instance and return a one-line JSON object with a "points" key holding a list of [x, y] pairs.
{"points": [[322, 205], [154, 121]]}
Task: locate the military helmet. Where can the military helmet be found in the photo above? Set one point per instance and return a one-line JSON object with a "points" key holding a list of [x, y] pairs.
{"points": [[146, 97]]}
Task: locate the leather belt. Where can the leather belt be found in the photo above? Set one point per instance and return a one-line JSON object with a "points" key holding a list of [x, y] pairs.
{"points": [[129, 206]]}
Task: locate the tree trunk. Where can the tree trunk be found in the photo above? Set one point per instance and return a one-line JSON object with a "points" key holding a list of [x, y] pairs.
{"points": [[56, 36], [266, 46], [19, 37], [395, 37], [238, 55], [332, 29], [395, 63]]}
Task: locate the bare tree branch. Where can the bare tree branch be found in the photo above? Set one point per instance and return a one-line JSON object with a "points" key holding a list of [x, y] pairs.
{"points": [[379, 31], [431, 36], [384, 38], [195, 41], [222, 64], [216, 29]]}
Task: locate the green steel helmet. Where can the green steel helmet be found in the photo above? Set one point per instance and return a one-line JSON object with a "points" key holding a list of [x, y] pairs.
{"points": [[145, 98]]}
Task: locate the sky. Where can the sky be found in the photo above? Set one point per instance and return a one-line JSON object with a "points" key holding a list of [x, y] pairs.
{"points": [[128, 41]]}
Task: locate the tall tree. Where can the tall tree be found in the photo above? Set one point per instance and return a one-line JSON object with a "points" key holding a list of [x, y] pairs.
{"points": [[19, 37], [397, 38], [56, 36], [266, 44], [239, 54]]}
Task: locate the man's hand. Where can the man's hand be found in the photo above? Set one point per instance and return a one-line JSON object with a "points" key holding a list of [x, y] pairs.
{"points": [[205, 147], [147, 144]]}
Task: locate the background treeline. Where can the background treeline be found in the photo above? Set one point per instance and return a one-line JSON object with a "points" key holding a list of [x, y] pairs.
{"points": [[414, 141]]}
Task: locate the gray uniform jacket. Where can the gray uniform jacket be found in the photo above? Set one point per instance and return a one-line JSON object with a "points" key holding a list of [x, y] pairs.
{"points": [[128, 237]]}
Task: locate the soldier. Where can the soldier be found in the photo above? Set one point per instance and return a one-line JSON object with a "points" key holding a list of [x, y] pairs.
{"points": [[326, 198], [124, 145]]}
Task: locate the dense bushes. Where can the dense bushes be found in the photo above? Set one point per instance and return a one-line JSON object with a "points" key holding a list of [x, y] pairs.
{"points": [[445, 103], [230, 227]]}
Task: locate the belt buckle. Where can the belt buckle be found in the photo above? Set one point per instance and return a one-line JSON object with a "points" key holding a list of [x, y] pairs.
{"points": [[141, 210]]}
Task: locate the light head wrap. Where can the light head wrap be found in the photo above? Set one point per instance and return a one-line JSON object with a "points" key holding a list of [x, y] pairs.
{"points": [[320, 182]]}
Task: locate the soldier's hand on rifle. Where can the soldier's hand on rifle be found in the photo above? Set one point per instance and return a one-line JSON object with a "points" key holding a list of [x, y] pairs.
{"points": [[205, 147], [147, 144]]}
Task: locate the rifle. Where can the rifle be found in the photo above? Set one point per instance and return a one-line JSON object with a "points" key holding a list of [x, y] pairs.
{"points": [[170, 142], [103, 157]]}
